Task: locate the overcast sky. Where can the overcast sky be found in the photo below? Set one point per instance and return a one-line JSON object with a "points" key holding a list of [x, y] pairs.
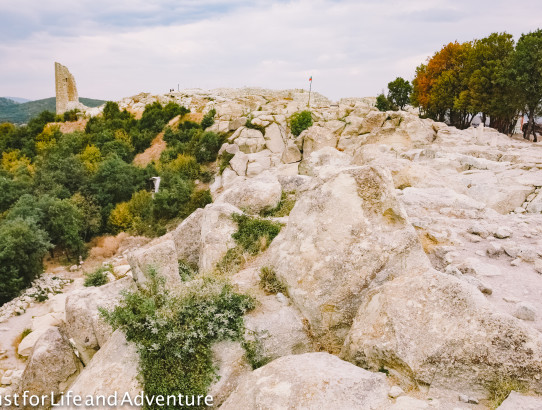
{"points": [[118, 48]]}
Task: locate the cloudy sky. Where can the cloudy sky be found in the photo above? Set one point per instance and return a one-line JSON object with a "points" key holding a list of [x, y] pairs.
{"points": [[122, 47]]}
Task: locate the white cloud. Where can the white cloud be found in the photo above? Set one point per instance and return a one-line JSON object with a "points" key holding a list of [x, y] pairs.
{"points": [[351, 48]]}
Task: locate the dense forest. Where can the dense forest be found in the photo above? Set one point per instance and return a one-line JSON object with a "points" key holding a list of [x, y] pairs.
{"points": [[60, 190]]}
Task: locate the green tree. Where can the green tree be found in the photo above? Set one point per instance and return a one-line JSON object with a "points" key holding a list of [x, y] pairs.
{"points": [[22, 248], [527, 63], [382, 103], [399, 92]]}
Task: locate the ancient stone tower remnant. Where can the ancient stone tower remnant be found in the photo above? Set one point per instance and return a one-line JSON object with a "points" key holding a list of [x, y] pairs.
{"points": [[66, 90]]}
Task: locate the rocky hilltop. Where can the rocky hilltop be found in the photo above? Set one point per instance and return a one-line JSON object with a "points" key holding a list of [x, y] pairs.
{"points": [[410, 264]]}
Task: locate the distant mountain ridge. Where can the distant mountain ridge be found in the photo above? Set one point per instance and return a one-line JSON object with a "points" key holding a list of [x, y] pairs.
{"points": [[19, 100], [11, 111]]}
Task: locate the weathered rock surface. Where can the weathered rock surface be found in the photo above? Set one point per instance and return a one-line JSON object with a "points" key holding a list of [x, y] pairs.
{"points": [[114, 369], [187, 238], [52, 367], [217, 227], [433, 329], [254, 195], [344, 236], [516, 401], [309, 381], [161, 257], [83, 321]]}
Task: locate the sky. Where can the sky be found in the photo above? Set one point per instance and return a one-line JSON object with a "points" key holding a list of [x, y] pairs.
{"points": [[351, 48]]}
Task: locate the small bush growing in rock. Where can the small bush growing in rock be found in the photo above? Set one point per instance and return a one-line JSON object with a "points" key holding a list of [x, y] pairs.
{"points": [[249, 124], [287, 202], [270, 283], [254, 352], [300, 121], [254, 234], [98, 277], [186, 270], [501, 387], [174, 333], [225, 159]]}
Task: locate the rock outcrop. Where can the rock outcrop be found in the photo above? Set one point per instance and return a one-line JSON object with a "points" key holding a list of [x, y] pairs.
{"points": [[342, 237], [52, 367], [310, 381]]}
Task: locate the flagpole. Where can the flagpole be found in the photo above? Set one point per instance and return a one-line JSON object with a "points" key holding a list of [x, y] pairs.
{"points": [[310, 89]]}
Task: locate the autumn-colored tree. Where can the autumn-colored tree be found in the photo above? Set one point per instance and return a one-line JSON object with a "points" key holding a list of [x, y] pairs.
{"points": [[439, 83]]}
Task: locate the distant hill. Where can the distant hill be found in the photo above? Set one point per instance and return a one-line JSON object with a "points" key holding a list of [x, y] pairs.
{"points": [[10, 111], [17, 99]]}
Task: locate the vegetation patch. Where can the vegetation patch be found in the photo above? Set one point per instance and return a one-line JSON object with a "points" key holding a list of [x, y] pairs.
{"points": [[254, 351], [225, 159], [98, 277], [300, 121], [253, 236], [187, 271], [270, 283], [287, 202], [174, 332], [251, 125], [501, 387]]}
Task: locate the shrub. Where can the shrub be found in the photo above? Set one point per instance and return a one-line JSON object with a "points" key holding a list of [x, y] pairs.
{"points": [[174, 333], [98, 277], [254, 352], [208, 119], [207, 147], [300, 121], [254, 234], [185, 165], [186, 270], [225, 159], [270, 283]]}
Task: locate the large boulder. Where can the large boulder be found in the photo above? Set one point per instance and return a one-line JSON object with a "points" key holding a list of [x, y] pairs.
{"points": [[162, 257], [254, 195], [516, 401], [113, 370], [274, 138], [52, 367], [187, 237], [217, 227], [250, 140], [229, 359], [324, 162], [277, 328], [316, 137], [83, 321], [437, 330], [341, 237], [310, 381]]}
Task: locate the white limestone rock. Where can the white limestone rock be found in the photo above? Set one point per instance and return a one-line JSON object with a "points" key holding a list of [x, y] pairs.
{"points": [[254, 195], [309, 381], [341, 236]]}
